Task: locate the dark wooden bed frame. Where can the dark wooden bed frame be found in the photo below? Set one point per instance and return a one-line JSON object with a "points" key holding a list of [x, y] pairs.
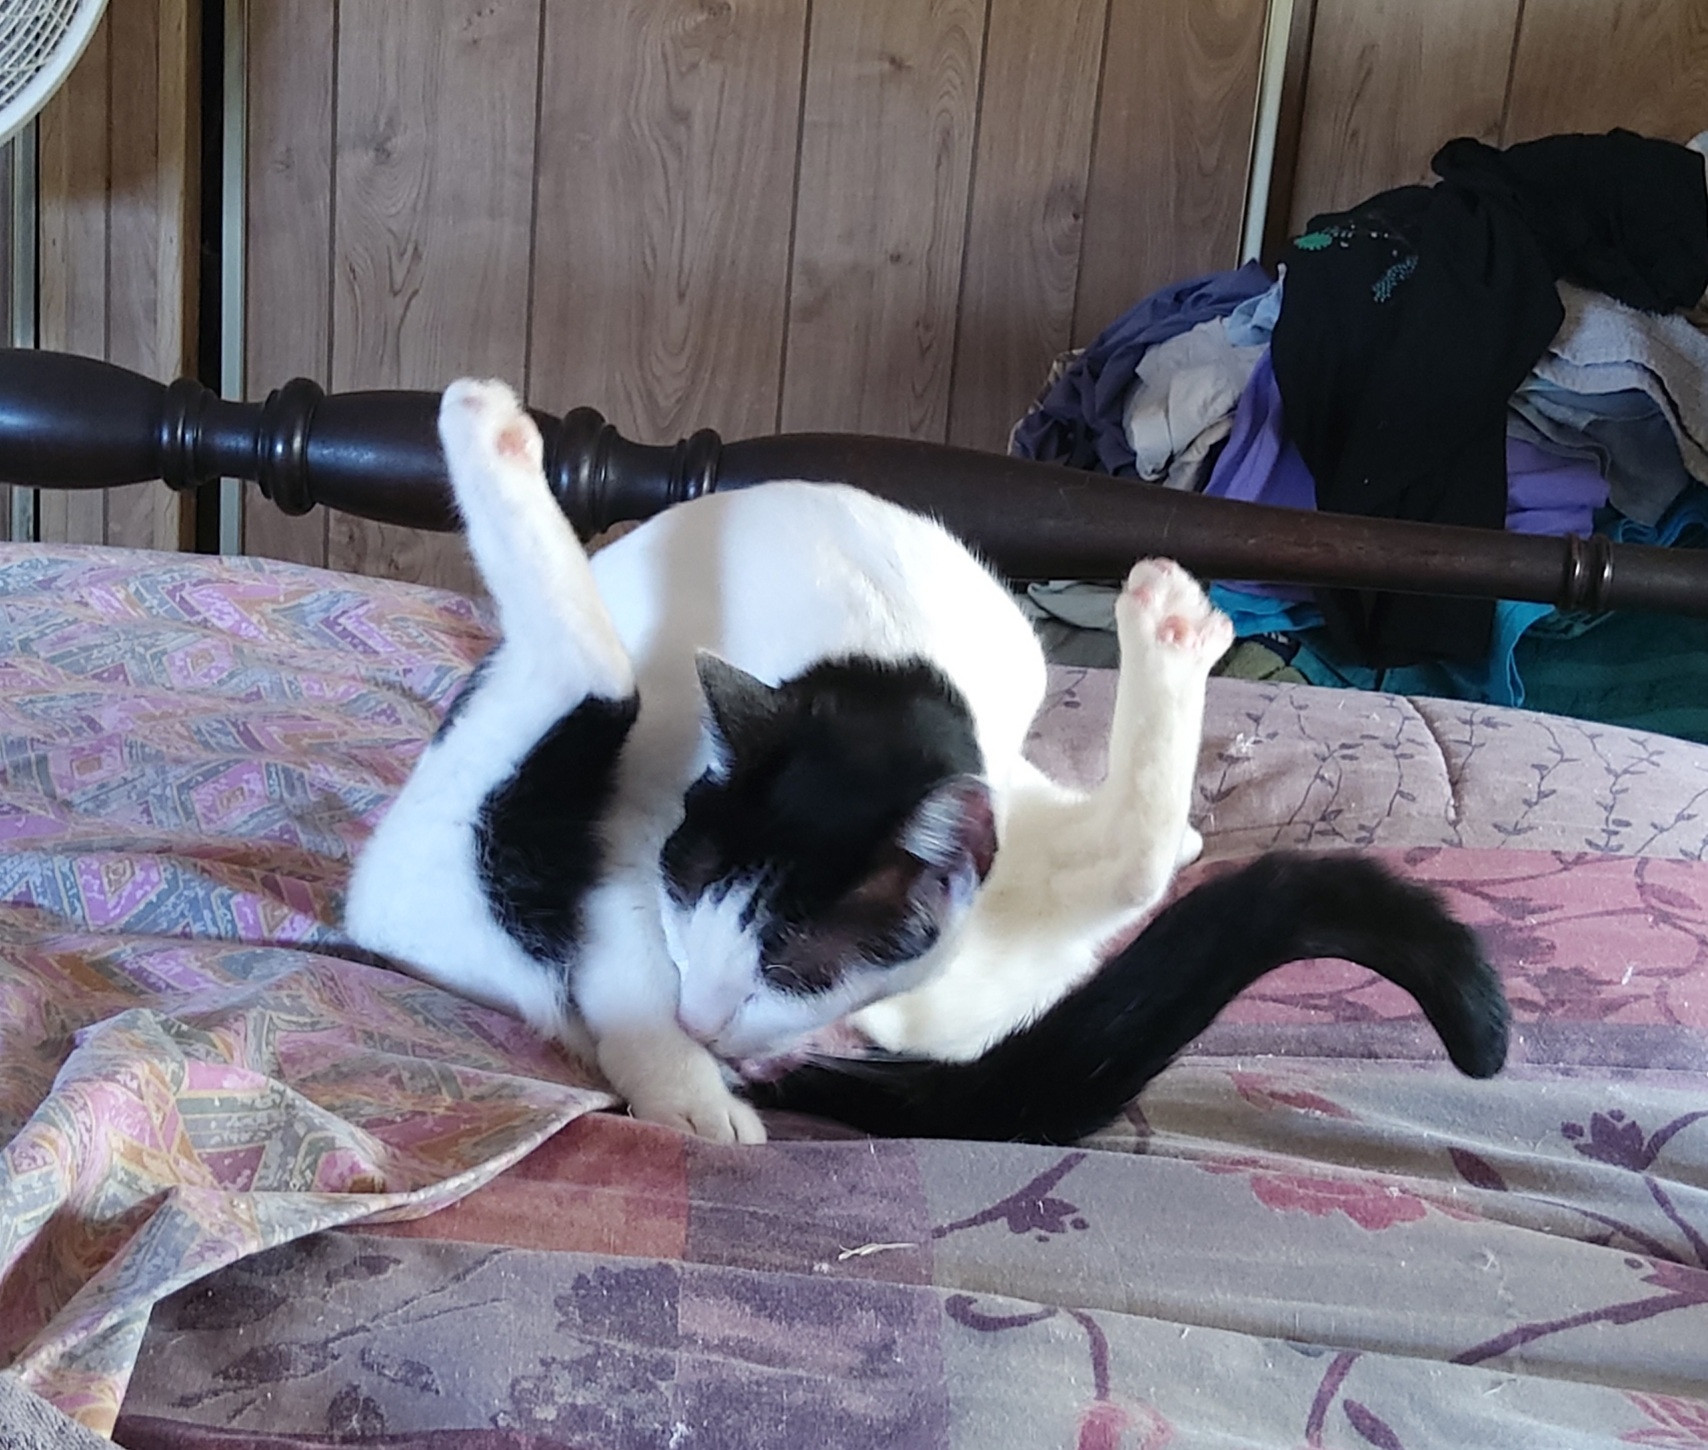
{"points": [[74, 422]]}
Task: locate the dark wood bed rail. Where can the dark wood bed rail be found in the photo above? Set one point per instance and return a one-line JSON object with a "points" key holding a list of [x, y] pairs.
{"points": [[74, 422]]}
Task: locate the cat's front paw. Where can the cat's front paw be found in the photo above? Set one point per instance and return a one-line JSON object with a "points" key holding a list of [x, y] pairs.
{"points": [[718, 1117], [679, 1085], [1163, 611]]}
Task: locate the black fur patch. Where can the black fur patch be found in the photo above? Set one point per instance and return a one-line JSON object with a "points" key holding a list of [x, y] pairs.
{"points": [[817, 786], [1077, 1066], [810, 958], [538, 836], [460, 700]]}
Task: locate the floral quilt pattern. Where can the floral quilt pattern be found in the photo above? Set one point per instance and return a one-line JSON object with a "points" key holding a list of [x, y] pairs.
{"points": [[258, 1191]]}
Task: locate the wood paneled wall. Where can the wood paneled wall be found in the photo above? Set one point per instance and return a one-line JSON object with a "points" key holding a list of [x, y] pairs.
{"points": [[1167, 192], [117, 248], [1588, 65], [6, 242], [1390, 80], [886, 215]]}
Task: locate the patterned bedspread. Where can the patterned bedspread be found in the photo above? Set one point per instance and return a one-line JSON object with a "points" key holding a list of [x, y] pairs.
{"points": [[256, 1191]]}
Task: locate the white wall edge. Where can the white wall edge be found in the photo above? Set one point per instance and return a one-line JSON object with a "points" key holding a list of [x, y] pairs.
{"points": [[1278, 27]]}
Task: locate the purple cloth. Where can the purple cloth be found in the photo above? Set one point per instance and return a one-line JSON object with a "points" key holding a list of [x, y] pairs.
{"points": [[1550, 493], [1260, 463], [1546, 493], [1078, 421]]}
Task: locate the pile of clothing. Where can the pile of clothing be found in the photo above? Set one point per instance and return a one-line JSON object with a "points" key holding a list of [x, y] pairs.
{"points": [[1522, 345]]}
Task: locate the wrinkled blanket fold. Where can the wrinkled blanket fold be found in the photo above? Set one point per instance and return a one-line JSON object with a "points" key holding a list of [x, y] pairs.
{"points": [[257, 1191]]}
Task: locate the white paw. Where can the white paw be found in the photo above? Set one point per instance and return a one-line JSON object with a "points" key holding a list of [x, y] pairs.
{"points": [[1163, 610], [690, 1096], [719, 1117], [1191, 847], [483, 426]]}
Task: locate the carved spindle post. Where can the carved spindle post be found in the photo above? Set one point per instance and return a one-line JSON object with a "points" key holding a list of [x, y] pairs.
{"points": [[71, 422], [77, 422]]}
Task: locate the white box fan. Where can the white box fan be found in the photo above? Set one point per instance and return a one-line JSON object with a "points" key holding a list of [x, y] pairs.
{"points": [[40, 41]]}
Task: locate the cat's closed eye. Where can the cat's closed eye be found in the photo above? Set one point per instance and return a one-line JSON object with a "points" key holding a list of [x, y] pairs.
{"points": [[807, 959]]}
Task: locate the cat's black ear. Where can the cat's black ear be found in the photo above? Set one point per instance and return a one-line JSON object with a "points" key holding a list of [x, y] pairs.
{"points": [[935, 861], [743, 707], [953, 830]]}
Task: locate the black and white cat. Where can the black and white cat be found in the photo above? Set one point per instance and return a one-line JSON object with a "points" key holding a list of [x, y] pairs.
{"points": [[756, 769]]}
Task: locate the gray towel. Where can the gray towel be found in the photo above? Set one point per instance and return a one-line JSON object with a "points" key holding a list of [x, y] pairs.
{"points": [[1604, 346], [1626, 435], [28, 1422]]}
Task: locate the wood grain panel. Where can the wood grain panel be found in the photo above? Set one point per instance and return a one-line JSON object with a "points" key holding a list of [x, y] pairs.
{"points": [[880, 215], [118, 257], [1390, 81], [1590, 65], [151, 250], [6, 241], [73, 169], [1173, 149], [1021, 267], [435, 153], [288, 293], [661, 246]]}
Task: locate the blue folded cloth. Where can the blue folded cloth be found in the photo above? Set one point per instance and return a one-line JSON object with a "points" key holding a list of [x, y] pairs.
{"points": [[1078, 420], [1252, 323]]}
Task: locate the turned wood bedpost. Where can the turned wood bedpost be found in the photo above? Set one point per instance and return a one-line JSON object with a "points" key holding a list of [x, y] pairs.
{"points": [[73, 422], [76, 422]]}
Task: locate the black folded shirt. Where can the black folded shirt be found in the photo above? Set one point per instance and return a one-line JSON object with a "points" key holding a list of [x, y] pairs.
{"points": [[1408, 322]]}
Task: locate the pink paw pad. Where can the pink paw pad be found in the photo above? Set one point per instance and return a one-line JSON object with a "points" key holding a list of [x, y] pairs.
{"points": [[1175, 630], [1163, 601], [514, 438]]}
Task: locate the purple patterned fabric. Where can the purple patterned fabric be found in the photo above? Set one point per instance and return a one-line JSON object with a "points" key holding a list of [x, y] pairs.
{"points": [[1309, 1232], [1266, 1255], [192, 1068]]}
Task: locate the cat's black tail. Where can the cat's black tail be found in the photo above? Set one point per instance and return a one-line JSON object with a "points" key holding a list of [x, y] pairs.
{"points": [[1073, 1069]]}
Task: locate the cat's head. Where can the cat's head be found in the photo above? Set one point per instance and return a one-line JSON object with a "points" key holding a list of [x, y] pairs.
{"points": [[836, 844]]}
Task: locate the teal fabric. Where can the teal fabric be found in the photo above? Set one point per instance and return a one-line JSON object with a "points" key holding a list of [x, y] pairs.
{"points": [[1647, 671], [1495, 680], [1684, 525], [1263, 613]]}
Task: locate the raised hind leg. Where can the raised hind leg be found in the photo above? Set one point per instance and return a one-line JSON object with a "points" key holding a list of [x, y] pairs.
{"points": [[421, 892], [549, 608], [488, 875]]}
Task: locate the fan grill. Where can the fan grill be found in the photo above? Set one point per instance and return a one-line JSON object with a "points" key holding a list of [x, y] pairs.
{"points": [[32, 34]]}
